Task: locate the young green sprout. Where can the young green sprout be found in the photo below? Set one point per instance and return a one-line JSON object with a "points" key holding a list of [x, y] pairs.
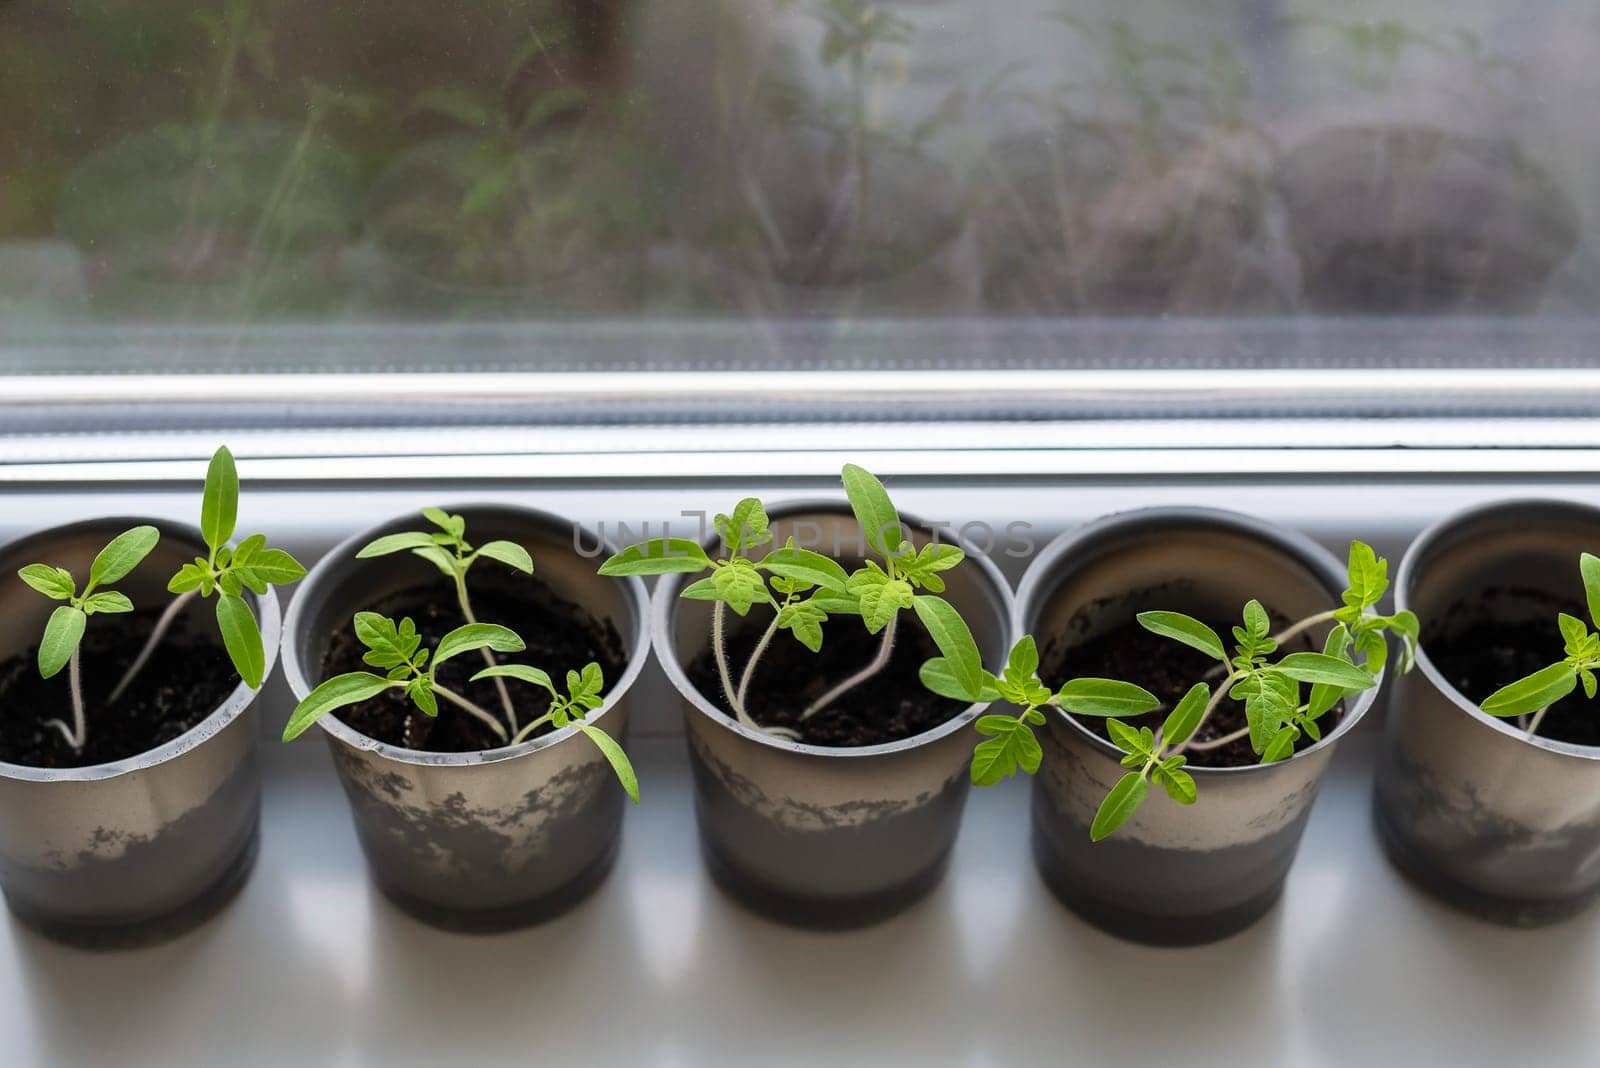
{"points": [[63, 632], [805, 588], [448, 549], [1278, 712], [1533, 696], [397, 648], [226, 571]]}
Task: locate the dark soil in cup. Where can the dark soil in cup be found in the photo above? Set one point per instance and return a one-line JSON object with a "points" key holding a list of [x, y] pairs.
{"points": [[1504, 635], [891, 705], [183, 682], [1167, 669], [561, 637]]}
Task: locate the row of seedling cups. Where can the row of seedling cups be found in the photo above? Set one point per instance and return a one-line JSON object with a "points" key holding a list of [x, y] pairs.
{"points": [[1175, 681]]}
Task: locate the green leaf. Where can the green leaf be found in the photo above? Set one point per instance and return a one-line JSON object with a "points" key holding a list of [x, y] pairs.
{"points": [[219, 506], [509, 553], [337, 692], [521, 672], [246, 550], [1178, 783], [939, 676], [1120, 803], [61, 636], [1019, 682], [106, 601], [1409, 628], [873, 510], [454, 526], [584, 688], [615, 754], [1269, 698], [1127, 739], [739, 585], [271, 566], [1320, 667], [1256, 621], [747, 526], [807, 566], [441, 558], [702, 590], [477, 636], [879, 596], [1573, 631], [54, 582], [1185, 629], [835, 604], [1373, 649], [242, 638], [1023, 661], [421, 694], [804, 620], [388, 645], [1532, 694], [1105, 697], [1323, 695], [1589, 568], [954, 639], [395, 543], [1369, 577], [1184, 719], [921, 568], [122, 555], [1281, 747], [1011, 746], [658, 556]]}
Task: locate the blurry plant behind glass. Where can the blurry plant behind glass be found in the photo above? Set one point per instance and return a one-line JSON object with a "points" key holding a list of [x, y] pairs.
{"points": [[1165, 93], [824, 186], [1372, 54], [217, 212], [1141, 186], [544, 174]]}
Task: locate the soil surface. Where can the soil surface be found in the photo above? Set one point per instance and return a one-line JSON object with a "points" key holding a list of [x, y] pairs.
{"points": [[1505, 635], [182, 683], [1167, 669], [891, 705], [561, 637]]}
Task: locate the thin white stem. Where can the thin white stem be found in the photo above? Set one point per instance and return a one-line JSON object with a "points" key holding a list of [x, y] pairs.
{"points": [[1304, 625], [168, 614], [1538, 718], [461, 702], [78, 733], [719, 650], [522, 735], [1211, 706], [1218, 743], [1282, 636], [66, 733], [750, 665], [736, 694], [884, 650], [488, 657], [80, 725]]}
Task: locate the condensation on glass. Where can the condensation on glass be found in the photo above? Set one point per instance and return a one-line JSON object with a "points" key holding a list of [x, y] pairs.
{"points": [[247, 164]]}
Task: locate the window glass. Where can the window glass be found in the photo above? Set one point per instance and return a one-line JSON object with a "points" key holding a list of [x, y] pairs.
{"points": [[581, 184]]}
